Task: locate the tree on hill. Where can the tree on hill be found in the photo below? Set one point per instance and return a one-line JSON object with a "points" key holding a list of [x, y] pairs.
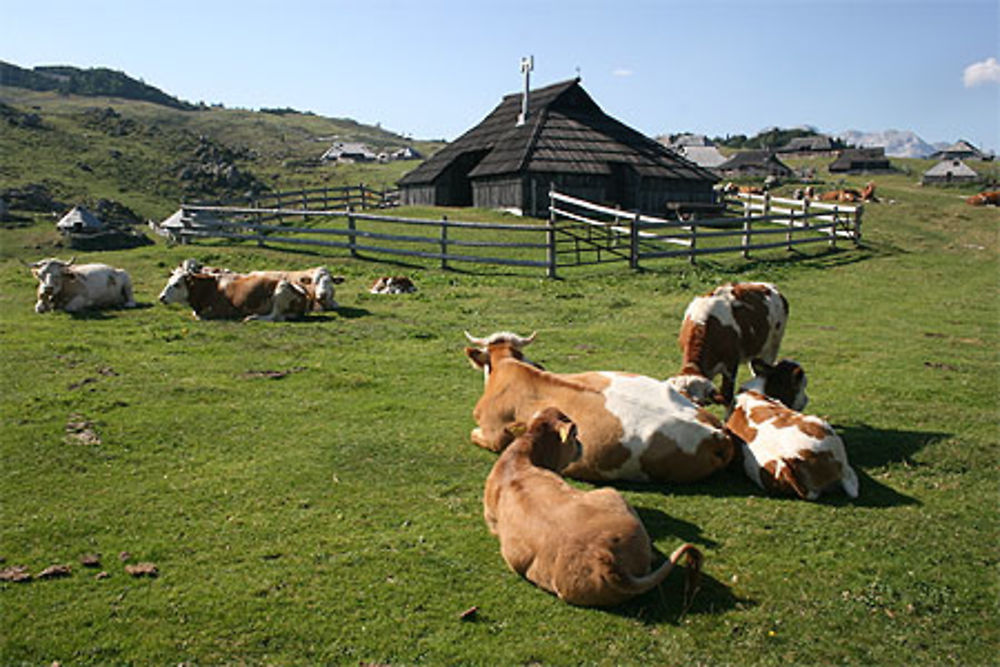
{"points": [[771, 139]]}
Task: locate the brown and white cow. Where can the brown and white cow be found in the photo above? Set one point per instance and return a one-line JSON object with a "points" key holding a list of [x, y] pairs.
{"points": [[587, 547], [236, 296], [76, 287], [631, 427], [989, 198], [733, 323], [393, 285], [786, 452], [318, 282]]}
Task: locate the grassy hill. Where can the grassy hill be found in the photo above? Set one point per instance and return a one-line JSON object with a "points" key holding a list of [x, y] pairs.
{"points": [[135, 152]]}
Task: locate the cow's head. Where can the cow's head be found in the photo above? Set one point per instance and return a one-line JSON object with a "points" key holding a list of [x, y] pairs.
{"points": [[176, 289], [552, 435], [52, 274], [496, 346], [324, 289], [698, 388], [785, 381]]}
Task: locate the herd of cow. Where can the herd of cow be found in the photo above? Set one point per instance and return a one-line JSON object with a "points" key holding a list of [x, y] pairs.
{"points": [[587, 547], [212, 293]]}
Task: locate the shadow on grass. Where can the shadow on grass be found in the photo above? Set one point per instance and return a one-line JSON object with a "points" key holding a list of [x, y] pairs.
{"points": [[660, 524], [108, 314]]}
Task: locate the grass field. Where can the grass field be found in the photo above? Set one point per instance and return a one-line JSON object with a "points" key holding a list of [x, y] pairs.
{"points": [[309, 494]]}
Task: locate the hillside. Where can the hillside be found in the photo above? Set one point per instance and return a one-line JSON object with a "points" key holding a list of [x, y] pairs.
{"points": [[98, 81], [148, 156]]}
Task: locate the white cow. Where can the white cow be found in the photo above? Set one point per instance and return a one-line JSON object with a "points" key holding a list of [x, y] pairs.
{"points": [[75, 287]]}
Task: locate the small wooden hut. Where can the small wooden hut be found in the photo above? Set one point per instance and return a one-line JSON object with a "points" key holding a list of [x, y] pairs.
{"points": [[566, 140], [861, 159], [756, 164]]}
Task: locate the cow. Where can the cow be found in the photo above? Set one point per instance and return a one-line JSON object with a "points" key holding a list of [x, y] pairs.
{"points": [[988, 198], [236, 296], [733, 323], [392, 285], [76, 287], [850, 194], [784, 451], [589, 548], [318, 282], [632, 427]]}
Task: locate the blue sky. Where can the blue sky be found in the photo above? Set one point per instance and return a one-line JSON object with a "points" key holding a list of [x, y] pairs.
{"points": [[434, 68]]}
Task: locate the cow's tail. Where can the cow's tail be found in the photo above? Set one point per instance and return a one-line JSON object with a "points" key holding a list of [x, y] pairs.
{"points": [[638, 585]]}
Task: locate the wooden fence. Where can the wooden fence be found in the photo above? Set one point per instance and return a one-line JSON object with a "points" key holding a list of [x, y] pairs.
{"points": [[577, 232]]}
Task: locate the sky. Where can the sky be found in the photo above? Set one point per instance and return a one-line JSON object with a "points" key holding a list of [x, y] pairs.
{"points": [[432, 69]]}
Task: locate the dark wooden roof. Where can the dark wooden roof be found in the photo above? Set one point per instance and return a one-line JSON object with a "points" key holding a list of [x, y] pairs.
{"points": [[566, 132], [861, 158], [754, 158]]}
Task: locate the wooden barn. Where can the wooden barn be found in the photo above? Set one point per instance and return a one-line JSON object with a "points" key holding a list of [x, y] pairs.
{"points": [[861, 159], [566, 140], [755, 164]]}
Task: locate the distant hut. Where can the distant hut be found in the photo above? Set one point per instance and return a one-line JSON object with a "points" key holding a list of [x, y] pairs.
{"points": [[949, 171], [349, 152], [565, 140], [79, 221], [806, 146], [754, 164], [961, 150], [861, 159], [708, 157]]}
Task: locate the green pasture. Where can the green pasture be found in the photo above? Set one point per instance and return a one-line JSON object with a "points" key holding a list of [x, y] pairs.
{"points": [[309, 494]]}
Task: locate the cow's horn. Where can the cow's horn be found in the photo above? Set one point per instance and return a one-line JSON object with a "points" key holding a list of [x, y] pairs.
{"points": [[479, 342], [71, 260], [521, 342]]}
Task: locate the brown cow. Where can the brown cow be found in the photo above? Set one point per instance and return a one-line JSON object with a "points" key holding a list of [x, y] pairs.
{"points": [[733, 323], [318, 282], [587, 547], [850, 194], [235, 296], [989, 198], [632, 427]]}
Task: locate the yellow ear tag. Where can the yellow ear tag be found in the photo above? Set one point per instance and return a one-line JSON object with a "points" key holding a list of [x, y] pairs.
{"points": [[517, 429], [564, 432]]}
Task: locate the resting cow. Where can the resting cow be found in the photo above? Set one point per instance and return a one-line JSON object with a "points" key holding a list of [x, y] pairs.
{"points": [[735, 322], [631, 427], [786, 452], [236, 296], [318, 282], [76, 287], [589, 548], [989, 198], [393, 285]]}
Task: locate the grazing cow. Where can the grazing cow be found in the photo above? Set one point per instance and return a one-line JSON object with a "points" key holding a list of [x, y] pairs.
{"points": [[786, 452], [631, 427], [318, 282], [733, 323], [393, 285], [587, 547], [850, 194], [234, 296], [75, 287], [989, 198]]}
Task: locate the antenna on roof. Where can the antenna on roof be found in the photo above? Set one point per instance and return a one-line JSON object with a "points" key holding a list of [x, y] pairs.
{"points": [[527, 64]]}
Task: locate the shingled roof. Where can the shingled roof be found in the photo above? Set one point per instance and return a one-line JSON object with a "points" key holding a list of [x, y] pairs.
{"points": [[566, 132]]}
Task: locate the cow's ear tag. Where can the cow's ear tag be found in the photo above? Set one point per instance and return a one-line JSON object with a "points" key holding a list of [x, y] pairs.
{"points": [[517, 429], [565, 431]]}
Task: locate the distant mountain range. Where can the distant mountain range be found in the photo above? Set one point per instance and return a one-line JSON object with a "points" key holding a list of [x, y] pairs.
{"points": [[897, 143], [91, 82]]}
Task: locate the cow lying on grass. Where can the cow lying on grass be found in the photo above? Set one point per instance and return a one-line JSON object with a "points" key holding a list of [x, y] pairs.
{"points": [[631, 427], [318, 282], [77, 287], [786, 452], [236, 296], [733, 323], [587, 547]]}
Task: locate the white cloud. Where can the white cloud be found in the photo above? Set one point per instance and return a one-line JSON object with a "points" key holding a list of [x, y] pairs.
{"points": [[978, 74], [622, 71]]}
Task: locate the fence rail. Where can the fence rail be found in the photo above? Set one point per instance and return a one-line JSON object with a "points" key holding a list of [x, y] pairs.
{"points": [[577, 232]]}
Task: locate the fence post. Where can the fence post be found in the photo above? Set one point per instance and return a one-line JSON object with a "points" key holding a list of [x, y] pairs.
{"points": [[694, 240], [361, 191], [805, 218], [351, 238], [281, 218], [747, 231], [833, 227], [857, 225], [550, 238], [633, 241], [305, 206], [444, 242]]}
